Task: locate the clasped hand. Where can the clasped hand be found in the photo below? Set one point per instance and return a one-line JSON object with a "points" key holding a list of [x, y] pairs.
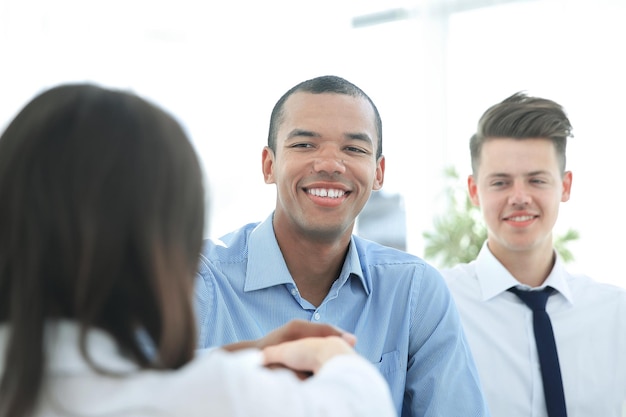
{"points": [[301, 346]]}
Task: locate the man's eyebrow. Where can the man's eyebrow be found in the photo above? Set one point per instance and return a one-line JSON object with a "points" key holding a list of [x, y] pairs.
{"points": [[528, 174], [302, 132], [498, 175], [539, 172], [311, 134], [359, 136]]}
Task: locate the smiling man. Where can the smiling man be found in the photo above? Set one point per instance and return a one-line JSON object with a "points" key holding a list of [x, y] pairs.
{"points": [[546, 342], [324, 155]]}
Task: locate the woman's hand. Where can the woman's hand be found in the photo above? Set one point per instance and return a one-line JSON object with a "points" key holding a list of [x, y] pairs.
{"points": [[300, 345], [306, 356]]}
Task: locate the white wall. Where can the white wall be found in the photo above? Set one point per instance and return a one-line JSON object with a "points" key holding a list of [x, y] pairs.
{"points": [[220, 67]]}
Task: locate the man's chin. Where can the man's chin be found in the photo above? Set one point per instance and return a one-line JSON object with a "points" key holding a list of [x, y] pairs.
{"points": [[327, 232]]}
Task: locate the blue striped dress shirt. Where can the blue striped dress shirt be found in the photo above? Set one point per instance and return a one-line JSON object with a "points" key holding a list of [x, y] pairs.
{"points": [[397, 305]]}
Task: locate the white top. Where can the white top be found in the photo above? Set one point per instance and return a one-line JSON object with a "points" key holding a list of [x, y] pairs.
{"points": [[216, 383], [589, 323]]}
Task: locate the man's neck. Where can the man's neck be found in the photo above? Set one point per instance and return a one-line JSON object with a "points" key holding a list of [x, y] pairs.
{"points": [[314, 265], [530, 267]]}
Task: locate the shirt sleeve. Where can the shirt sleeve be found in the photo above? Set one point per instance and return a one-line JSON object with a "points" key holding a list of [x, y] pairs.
{"points": [[346, 386], [204, 296], [441, 368]]}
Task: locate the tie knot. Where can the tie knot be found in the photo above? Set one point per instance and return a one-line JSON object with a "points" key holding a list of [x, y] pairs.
{"points": [[535, 300]]}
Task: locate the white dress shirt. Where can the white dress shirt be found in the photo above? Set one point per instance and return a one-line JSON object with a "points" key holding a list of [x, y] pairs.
{"points": [[589, 323], [216, 383]]}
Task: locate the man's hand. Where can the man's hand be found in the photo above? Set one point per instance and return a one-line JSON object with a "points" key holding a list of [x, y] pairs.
{"points": [[300, 345]]}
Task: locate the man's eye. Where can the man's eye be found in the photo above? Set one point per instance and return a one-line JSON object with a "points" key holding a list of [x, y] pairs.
{"points": [[301, 145], [355, 149]]}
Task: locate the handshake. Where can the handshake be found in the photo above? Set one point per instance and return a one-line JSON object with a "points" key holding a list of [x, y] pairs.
{"points": [[300, 346]]}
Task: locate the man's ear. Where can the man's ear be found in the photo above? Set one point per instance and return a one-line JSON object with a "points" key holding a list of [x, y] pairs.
{"points": [[267, 165], [380, 174], [472, 190], [567, 186]]}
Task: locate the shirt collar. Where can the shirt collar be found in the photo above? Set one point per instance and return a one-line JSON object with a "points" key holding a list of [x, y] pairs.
{"points": [[495, 279], [266, 264], [558, 280], [352, 267]]}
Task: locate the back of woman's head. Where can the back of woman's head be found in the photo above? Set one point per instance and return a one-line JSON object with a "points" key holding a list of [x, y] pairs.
{"points": [[101, 220]]}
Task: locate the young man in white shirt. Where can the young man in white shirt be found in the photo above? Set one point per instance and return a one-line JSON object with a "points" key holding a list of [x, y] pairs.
{"points": [[519, 180]]}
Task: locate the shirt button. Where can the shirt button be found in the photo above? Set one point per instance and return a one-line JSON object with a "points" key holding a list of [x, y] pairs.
{"points": [[294, 291], [316, 316]]}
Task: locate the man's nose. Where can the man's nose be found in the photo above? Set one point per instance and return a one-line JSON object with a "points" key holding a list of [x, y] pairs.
{"points": [[519, 194], [330, 161]]}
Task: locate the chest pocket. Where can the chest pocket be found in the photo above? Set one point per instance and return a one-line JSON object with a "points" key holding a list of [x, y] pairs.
{"points": [[389, 363]]}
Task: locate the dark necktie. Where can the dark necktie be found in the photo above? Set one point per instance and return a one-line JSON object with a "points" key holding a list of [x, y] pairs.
{"points": [[546, 349]]}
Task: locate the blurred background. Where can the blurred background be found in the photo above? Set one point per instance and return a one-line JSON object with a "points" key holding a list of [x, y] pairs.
{"points": [[431, 66]]}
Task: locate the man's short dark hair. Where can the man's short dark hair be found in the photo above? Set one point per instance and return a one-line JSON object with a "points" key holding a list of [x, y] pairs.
{"points": [[523, 117], [319, 85]]}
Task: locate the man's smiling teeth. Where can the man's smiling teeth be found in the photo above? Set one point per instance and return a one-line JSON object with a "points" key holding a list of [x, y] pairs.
{"points": [[521, 218], [323, 192]]}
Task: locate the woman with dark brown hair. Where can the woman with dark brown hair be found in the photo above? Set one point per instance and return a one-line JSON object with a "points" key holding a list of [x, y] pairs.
{"points": [[101, 222]]}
